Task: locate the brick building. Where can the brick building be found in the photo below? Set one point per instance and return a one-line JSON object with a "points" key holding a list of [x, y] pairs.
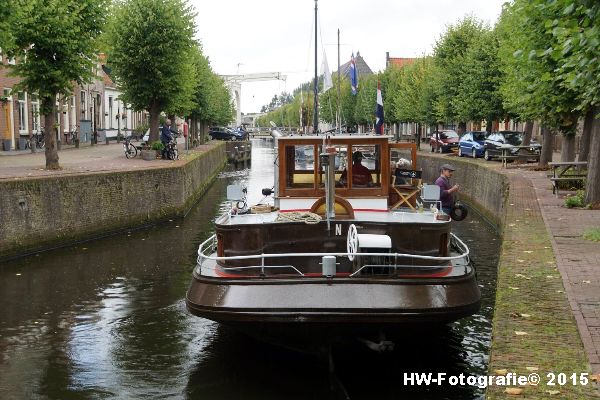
{"points": [[87, 111]]}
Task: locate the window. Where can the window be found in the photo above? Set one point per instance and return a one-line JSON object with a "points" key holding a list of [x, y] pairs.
{"points": [[35, 113], [110, 113], [479, 136], [22, 111], [366, 166], [83, 105], [341, 156], [300, 162], [73, 113]]}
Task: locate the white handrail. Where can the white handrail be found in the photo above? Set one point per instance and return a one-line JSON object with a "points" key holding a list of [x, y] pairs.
{"points": [[202, 256]]}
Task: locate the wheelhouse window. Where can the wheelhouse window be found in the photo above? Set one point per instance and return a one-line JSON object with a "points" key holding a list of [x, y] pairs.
{"points": [[300, 166], [365, 167], [341, 163]]}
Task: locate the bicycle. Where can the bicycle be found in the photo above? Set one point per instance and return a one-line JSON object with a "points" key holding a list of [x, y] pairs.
{"points": [[130, 149], [171, 151], [71, 136], [36, 139]]}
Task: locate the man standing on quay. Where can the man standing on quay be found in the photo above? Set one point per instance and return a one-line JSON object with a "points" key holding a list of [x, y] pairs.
{"points": [[446, 197]]}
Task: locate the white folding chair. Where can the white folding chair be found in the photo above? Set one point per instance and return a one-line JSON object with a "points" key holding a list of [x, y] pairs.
{"points": [[430, 195]]}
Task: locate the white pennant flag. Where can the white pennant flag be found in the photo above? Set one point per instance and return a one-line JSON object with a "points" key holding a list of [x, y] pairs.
{"points": [[327, 82]]}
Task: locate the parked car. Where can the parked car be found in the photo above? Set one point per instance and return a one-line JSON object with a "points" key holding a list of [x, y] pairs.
{"points": [[444, 141], [497, 141], [471, 144], [223, 133]]}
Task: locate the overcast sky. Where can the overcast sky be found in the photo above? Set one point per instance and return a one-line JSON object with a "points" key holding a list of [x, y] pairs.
{"points": [[241, 36]]}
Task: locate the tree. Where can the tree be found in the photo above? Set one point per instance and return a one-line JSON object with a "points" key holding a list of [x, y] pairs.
{"points": [[149, 44], [478, 97], [451, 60], [55, 43], [575, 28], [364, 112], [531, 88]]}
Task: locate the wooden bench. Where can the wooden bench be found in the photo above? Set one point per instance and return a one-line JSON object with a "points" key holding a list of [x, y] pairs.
{"points": [[559, 170], [506, 156], [555, 181]]}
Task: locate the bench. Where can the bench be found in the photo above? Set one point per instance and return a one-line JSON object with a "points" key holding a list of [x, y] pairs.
{"points": [[559, 170], [556, 180], [527, 156]]}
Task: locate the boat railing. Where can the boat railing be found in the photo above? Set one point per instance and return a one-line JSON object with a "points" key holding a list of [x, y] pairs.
{"points": [[210, 244]]}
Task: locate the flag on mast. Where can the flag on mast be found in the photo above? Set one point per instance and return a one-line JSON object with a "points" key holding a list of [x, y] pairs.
{"points": [[379, 111], [327, 81], [353, 75]]}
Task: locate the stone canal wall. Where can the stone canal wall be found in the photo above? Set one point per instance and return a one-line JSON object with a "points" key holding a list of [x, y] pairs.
{"points": [[39, 213], [482, 188]]}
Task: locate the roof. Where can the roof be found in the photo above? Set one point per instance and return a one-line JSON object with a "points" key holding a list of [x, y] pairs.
{"points": [[399, 61], [361, 66]]}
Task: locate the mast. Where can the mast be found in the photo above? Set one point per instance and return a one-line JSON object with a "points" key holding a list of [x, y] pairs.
{"points": [[316, 110], [338, 113]]}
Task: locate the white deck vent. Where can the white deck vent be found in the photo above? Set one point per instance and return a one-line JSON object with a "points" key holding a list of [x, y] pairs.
{"points": [[372, 241]]}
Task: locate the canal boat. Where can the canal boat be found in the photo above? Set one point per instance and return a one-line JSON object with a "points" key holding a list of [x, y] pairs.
{"points": [[333, 252]]}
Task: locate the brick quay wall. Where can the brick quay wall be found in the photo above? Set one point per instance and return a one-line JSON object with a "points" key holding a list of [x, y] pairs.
{"points": [[533, 329], [44, 212]]}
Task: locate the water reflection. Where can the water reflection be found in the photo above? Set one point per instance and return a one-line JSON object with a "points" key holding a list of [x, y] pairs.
{"points": [[107, 319]]}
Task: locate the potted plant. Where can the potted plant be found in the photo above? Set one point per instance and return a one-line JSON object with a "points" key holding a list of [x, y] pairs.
{"points": [[158, 147]]}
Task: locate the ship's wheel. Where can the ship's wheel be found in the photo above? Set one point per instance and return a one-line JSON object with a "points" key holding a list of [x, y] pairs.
{"points": [[352, 241]]}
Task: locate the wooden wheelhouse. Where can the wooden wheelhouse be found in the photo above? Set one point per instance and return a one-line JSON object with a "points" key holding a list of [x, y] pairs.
{"points": [[300, 177]]}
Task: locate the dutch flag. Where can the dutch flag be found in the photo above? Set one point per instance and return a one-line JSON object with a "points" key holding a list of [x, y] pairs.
{"points": [[353, 75]]}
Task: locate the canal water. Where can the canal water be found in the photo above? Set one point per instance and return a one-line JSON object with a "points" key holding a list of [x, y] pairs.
{"points": [[106, 319]]}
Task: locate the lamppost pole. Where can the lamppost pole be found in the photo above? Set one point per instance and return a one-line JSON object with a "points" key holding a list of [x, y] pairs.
{"points": [[316, 90]]}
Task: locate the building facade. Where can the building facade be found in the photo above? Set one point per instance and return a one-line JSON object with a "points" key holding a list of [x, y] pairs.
{"points": [[92, 113]]}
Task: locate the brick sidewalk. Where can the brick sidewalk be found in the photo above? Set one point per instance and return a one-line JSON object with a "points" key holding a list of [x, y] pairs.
{"points": [[99, 158], [578, 260]]}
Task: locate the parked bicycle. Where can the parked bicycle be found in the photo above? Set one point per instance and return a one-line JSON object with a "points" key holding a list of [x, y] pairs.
{"points": [[171, 151], [37, 139], [71, 136], [130, 149]]}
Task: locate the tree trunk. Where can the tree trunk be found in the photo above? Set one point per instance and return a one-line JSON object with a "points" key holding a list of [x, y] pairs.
{"points": [[592, 187], [567, 152], [528, 131], [49, 105], [547, 139], [584, 148], [154, 118], [462, 128]]}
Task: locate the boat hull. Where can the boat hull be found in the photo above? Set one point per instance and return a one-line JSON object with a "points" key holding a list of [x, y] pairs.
{"points": [[340, 303]]}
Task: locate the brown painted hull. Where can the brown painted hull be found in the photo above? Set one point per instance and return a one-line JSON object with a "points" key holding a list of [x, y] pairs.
{"points": [[338, 303]]}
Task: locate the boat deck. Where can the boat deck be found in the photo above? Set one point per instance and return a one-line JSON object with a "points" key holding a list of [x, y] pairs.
{"points": [[394, 216]]}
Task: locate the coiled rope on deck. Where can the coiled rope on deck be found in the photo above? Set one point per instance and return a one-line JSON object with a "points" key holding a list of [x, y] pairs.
{"points": [[298, 216]]}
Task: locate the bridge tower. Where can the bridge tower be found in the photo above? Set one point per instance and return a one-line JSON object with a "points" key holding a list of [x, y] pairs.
{"points": [[234, 82]]}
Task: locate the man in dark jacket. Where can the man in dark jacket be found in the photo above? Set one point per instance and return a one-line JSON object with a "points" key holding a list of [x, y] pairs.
{"points": [[446, 196], [166, 136]]}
